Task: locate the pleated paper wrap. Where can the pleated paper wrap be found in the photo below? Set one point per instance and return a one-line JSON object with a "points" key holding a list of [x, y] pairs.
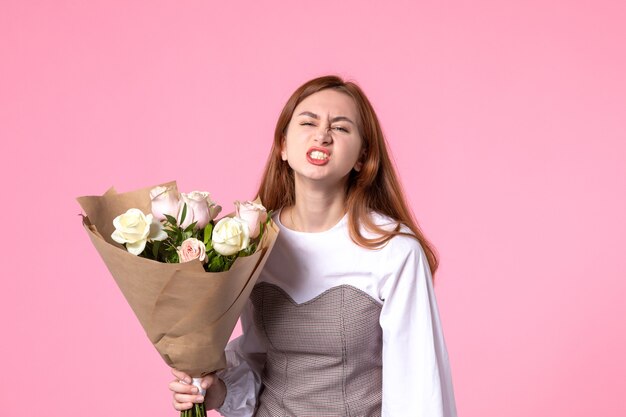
{"points": [[187, 313]]}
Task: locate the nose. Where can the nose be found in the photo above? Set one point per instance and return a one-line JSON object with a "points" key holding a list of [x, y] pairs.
{"points": [[323, 135]]}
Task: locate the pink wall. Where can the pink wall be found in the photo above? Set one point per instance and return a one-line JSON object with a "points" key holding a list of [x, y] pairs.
{"points": [[507, 122]]}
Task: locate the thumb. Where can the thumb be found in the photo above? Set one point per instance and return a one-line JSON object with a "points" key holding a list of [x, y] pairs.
{"points": [[208, 380]]}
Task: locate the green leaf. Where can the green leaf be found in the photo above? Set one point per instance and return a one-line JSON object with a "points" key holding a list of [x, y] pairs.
{"points": [[182, 216], [217, 264], [191, 227], [172, 258], [229, 262], [208, 231], [171, 220], [260, 236], [155, 249]]}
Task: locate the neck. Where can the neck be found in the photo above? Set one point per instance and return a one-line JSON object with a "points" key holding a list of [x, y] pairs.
{"points": [[318, 207]]}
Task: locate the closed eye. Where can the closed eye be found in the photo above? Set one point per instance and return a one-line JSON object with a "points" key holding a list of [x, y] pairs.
{"points": [[340, 128]]}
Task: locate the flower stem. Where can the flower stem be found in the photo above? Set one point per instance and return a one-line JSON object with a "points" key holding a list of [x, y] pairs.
{"points": [[197, 410]]}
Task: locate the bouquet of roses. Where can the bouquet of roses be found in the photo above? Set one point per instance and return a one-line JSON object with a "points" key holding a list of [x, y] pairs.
{"points": [[181, 228], [186, 276]]}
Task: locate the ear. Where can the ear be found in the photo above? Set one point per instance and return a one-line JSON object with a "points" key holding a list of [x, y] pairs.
{"points": [[283, 148], [360, 161]]}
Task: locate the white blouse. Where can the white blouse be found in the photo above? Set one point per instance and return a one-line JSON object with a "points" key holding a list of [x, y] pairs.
{"points": [[416, 375]]}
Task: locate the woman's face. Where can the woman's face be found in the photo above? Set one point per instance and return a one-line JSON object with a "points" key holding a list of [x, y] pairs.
{"points": [[322, 141]]}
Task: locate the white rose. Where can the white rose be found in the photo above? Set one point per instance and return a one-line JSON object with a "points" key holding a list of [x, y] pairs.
{"points": [[252, 213], [200, 209], [165, 200], [191, 249], [230, 235], [134, 229]]}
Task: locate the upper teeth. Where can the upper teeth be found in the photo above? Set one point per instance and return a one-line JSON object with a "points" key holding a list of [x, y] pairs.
{"points": [[318, 155]]}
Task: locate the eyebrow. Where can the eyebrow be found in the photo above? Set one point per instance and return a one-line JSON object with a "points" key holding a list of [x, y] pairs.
{"points": [[334, 119]]}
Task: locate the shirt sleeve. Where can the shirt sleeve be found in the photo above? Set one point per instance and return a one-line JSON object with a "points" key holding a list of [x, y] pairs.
{"points": [[245, 357], [416, 370]]}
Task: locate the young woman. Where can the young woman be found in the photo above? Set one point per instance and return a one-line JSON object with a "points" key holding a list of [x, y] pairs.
{"points": [[343, 320]]}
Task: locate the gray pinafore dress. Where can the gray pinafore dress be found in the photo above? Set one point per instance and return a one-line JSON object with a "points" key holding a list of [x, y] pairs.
{"points": [[324, 356]]}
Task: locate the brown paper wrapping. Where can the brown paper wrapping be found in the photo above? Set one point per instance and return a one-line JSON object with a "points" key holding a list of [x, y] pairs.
{"points": [[187, 313]]}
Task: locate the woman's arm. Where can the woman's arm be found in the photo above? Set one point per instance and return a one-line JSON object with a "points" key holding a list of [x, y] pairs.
{"points": [[416, 370]]}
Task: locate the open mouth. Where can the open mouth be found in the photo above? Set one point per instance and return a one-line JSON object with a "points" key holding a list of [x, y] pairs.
{"points": [[318, 156]]}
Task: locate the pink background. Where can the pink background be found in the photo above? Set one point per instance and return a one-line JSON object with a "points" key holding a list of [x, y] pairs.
{"points": [[508, 126]]}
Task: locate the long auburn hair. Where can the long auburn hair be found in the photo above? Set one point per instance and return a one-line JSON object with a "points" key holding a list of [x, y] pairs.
{"points": [[375, 187]]}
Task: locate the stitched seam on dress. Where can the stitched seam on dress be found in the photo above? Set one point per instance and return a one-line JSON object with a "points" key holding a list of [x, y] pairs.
{"points": [[269, 340], [286, 373], [282, 400], [343, 354], [314, 299]]}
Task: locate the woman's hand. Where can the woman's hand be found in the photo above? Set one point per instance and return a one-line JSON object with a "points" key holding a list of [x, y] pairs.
{"points": [[185, 394]]}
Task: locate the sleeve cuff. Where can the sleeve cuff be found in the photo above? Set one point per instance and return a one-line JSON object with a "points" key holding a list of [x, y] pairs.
{"points": [[242, 386]]}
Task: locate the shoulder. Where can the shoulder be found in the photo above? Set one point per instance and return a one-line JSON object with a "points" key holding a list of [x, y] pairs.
{"points": [[403, 264], [400, 245], [384, 222]]}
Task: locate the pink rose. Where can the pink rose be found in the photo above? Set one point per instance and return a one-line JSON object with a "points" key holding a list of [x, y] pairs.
{"points": [[165, 200], [191, 249], [200, 209], [253, 214]]}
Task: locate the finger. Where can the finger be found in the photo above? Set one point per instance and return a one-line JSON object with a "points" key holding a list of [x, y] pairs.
{"points": [[182, 388], [181, 375], [181, 406], [185, 398]]}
